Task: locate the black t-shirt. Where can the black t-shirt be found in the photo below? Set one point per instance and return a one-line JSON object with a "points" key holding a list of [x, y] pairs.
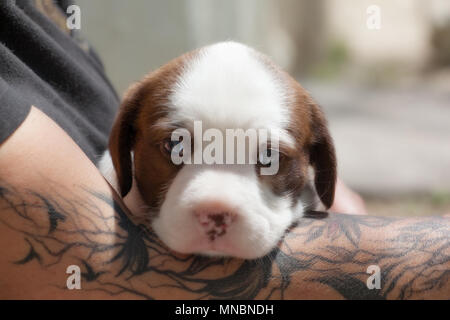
{"points": [[44, 64]]}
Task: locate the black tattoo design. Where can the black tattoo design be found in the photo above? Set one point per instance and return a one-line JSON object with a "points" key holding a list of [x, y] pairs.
{"points": [[119, 256]]}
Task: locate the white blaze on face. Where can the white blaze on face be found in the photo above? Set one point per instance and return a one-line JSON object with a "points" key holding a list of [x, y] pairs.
{"points": [[226, 86]]}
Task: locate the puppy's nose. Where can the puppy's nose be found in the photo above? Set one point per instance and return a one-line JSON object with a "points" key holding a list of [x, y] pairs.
{"points": [[214, 220]]}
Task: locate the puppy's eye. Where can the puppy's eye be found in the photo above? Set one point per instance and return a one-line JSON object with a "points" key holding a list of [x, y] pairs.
{"points": [[168, 146], [267, 156]]}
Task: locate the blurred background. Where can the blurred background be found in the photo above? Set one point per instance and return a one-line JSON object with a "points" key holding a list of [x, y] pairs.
{"points": [[380, 69]]}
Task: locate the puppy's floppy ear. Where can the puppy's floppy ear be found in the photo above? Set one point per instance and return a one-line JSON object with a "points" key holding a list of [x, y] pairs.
{"points": [[122, 138], [322, 157]]}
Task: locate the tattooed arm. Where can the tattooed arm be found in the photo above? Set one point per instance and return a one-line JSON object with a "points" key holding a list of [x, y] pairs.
{"points": [[57, 210]]}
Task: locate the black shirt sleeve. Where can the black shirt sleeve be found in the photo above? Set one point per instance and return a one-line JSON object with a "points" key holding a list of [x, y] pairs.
{"points": [[13, 110], [44, 64]]}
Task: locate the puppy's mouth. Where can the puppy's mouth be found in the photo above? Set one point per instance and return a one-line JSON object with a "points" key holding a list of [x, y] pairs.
{"points": [[219, 249], [214, 240]]}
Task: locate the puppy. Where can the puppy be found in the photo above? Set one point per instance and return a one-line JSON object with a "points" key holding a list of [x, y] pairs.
{"points": [[220, 207]]}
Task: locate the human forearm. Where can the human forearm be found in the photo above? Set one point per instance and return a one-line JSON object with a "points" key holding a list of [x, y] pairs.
{"points": [[325, 256], [56, 210], [335, 252]]}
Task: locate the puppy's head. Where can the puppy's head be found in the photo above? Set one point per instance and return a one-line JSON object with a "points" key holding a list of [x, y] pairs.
{"points": [[222, 207]]}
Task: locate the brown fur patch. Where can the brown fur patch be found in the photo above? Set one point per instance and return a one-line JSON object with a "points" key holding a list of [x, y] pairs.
{"points": [[144, 106], [314, 145]]}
